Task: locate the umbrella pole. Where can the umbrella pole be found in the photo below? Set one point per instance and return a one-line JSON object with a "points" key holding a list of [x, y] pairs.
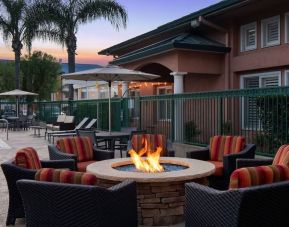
{"points": [[109, 106], [17, 106]]}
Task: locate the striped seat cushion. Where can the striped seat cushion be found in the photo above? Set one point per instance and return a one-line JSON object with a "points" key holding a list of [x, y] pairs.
{"points": [[27, 158], [153, 141], [282, 156], [80, 146], [223, 145], [253, 176], [65, 176]]}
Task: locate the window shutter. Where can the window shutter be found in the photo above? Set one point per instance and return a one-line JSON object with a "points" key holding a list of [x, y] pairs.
{"points": [[251, 35], [273, 31], [250, 110], [270, 81], [252, 82]]}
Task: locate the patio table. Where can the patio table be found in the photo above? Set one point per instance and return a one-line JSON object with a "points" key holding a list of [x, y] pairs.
{"points": [[111, 137]]}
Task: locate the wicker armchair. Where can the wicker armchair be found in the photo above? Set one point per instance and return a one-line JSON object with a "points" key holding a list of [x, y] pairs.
{"points": [[223, 152], [13, 173], [58, 204], [281, 158], [83, 155], [264, 205]]}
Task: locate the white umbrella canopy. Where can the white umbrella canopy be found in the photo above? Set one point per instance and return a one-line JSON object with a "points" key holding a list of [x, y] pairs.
{"points": [[17, 93], [109, 74]]}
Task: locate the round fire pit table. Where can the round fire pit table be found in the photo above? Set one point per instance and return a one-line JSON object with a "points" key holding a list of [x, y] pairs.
{"points": [[161, 196]]}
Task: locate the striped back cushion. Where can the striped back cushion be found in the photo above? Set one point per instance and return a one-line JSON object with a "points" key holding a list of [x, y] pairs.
{"points": [[282, 156], [65, 176], [27, 158], [153, 140], [80, 146], [253, 176], [223, 145]]}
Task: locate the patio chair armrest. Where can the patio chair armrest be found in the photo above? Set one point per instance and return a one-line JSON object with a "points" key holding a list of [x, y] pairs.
{"points": [[100, 154], [229, 161], [15, 172], [243, 162], [203, 154], [55, 154], [201, 203], [59, 164]]}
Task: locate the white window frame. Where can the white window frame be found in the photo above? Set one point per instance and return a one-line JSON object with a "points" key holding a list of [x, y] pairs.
{"points": [[260, 76], [243, 29], [264, 22], [158, 104], [286, 18]]}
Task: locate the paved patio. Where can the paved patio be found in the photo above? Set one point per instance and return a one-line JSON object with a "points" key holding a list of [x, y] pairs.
{"points": [[17, 140]]}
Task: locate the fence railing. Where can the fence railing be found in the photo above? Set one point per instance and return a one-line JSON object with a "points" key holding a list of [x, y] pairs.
{"points": [[261, 115]]}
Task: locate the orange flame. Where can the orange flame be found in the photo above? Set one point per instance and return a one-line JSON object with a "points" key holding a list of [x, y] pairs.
{"points": [[151, 163]]}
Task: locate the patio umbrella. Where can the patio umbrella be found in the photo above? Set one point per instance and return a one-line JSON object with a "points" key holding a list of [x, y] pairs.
{"points": [[109, 74], [17, 93]]}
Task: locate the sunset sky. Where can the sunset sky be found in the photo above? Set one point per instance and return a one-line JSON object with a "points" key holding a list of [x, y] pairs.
{"points": [[144, 15]]}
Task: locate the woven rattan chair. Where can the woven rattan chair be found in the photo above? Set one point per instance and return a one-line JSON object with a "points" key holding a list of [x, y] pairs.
{"points": [[264, 205], [64, 150], [223, 152], [13, 173], [59, 205]]}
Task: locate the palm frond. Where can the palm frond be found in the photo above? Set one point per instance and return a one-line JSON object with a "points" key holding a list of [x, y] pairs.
{"points": [[107, 9]]}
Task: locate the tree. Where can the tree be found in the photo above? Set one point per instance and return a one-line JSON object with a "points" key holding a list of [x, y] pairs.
{"points": [[6, 75], [63, 18], [40, 73], [18, 22]]}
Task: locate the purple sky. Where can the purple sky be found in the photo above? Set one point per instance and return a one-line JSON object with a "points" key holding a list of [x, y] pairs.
{"points": [[144, 15]]}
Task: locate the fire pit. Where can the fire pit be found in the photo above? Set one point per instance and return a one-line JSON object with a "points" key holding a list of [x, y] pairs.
{"points": [[160, 194]]}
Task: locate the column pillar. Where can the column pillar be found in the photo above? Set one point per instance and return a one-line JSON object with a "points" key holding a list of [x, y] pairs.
{"points": [[178, 82], [178, 106], [124, 92]]}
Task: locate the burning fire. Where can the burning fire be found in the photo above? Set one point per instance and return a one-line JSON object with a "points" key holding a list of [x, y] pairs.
{"points": [[150, 163]]}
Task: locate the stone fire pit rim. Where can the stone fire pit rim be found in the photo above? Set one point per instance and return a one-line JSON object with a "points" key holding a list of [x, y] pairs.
{"points": [[196, 169]]}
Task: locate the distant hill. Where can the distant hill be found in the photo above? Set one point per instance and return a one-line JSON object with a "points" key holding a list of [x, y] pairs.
{"points": [[78, 67]]}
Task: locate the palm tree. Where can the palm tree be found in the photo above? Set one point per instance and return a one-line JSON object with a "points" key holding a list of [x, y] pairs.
{"points": [[18, 23], [63, 18]]}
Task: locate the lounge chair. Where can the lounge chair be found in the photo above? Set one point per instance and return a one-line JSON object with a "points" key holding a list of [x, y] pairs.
{"points": [[59, 120], [79, 126]]}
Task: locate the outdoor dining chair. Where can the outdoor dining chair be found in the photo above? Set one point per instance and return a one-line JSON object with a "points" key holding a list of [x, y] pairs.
{"points": [[24, 166]]}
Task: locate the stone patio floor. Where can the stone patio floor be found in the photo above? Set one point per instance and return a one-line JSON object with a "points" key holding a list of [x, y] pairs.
{"points": [[17, 140]]}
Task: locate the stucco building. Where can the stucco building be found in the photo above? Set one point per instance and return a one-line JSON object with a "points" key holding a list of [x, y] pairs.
{"points": [[230, 45]]}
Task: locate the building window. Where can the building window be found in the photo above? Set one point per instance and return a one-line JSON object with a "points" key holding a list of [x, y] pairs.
{"points": [[248, 37], [164, 106], [287, 27], [250, 118], [270, 31]]}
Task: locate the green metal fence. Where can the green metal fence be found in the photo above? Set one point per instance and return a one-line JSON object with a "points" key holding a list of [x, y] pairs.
{"points": [[261, 115]]}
